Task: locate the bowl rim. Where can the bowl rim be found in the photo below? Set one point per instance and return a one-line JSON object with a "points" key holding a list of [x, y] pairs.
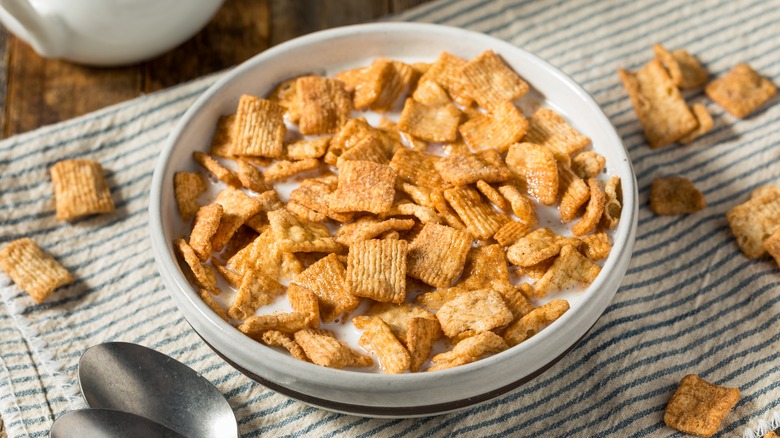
{"points": [[194, 309]]}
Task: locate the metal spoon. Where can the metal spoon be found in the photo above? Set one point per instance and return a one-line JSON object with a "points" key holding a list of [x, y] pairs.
{"points": [[132, 378], [104, 423]]}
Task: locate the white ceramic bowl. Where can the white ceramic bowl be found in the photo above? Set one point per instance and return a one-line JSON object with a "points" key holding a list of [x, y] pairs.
{"points": [[369, 394]]}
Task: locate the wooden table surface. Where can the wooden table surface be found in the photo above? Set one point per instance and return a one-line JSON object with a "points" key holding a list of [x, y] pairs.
{"points": [[35, 92]]}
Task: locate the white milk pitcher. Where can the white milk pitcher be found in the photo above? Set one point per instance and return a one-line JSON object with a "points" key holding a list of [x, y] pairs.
{"points": [[105, 32]]}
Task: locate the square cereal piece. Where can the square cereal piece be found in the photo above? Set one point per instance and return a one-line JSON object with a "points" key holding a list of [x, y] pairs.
{"points": [[447, 71], [444, 210], [327, 278], [536, 247], [469, 350], [203, 229], [384, 81], [222, 141], [304, 301], [430, 93], [259, 128], [255, 326], [479, 217], [379, 339], [325, 350], [418, 194], [705, 123], [351, 78], [486, 165], [593, 210], [473, 312], [315, 193], [587, 164], [498, 129], [209, 300], [569, 268], [683, 68], [675, 195], [257, 289], [433, 300], [237, 207], [305, 213], [34, 271], [369, 148], [417, 168], [251, 177], [215, 168], [80, 189], [307, 148], [510, 232], [613, 191], [405, 208], [295, 235], [741, 91], [204, 275], [275, 338], [698, 407], [376, 269], [353, 132], [536, 320], [283, 169], [188, 186], [490, 81], [430, 123], [485, 266], [573, 193], [661, 109], [548, 128], [325, 105], [536, 168], [368, 228], [753, 221], [286, 95], [596, 246], [364, 186], [437, 255], [493, 195], [421, 335], [522, 207], [396, 316], [233, 278]]}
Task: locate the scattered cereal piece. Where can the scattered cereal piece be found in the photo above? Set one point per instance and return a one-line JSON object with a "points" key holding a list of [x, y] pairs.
{"points": [[352, 78], [570, 267], [213, 305], [447, 72], [587, 164], [304, 301], [661, 109], [498, 129], [351, 133], [382, 83], [596, 246], [441, 206], [237, 208], [203, 229], [307, 148], [80, 189], [377, 269], [187, 186], [251, 177], [377, 337], [474, 312], [437, 255], [283, 169], [305, 213], [536, 247], [396, 316], [244, 236], [369, 228], [204, 275], [275, 338], [763, 190], [420, 195], [593, 211], [698, 407], [573, 191], [430, 123], [215, 168], [324, 349], [435, 299], [431, 93], [259, 128], [324, 105], [34, 271], [535, 321], [327, 278], [469, 350], [511, 232], [536, 271], [257, 289], [486, 165], [295, 235], [405, 208], [421, 335], [491, 82], [417, 168], [254, 326], [535, 166], [753, 221], [368, 148], [741, 91], [613, 191], [548, 128], [222, 141], [286, 96], [364, 186], [683, 68], [232, 278], [492, 195], [675, 195], [480, 219], [522, 207], [705, 123], [315, 193]]}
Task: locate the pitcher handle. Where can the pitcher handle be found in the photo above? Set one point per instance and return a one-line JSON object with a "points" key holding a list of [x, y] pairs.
{"points": [[40, 32]]}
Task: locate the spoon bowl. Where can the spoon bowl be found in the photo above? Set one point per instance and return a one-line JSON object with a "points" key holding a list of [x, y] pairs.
{"points": [[104, 423], [132, 378]]}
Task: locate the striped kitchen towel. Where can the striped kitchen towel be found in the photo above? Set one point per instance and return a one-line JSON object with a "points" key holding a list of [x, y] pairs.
{"points": [[690, 302]]}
